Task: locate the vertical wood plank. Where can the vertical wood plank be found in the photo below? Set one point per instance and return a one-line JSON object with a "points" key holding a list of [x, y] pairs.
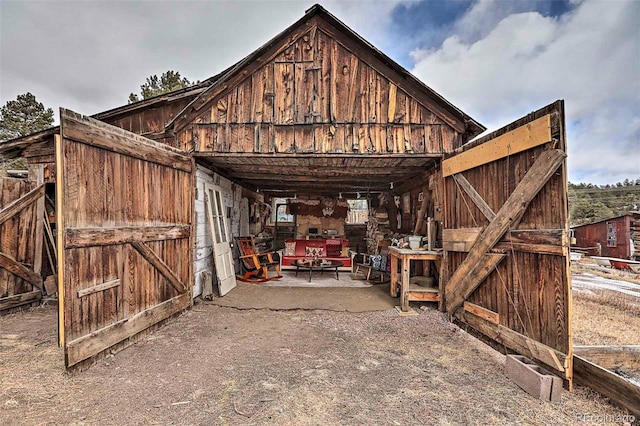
{"points": [[284, 93]]}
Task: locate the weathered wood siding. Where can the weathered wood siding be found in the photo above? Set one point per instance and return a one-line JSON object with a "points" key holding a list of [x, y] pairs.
{"points": [[150, 122], [529, 290], [203, 250], [18, 241], [316, 95], [125, 213]]}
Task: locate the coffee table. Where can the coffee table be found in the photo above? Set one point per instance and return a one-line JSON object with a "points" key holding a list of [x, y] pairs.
{"points": [[329, 265]]}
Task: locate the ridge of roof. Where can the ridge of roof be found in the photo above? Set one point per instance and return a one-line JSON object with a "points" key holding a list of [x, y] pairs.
{"points": [[473, 126]]}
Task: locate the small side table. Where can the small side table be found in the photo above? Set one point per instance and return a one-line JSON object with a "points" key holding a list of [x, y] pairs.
{"points": [[412, 292]]}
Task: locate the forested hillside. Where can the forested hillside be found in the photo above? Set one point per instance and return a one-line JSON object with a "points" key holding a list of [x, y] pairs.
{"points": [[590, 203]]}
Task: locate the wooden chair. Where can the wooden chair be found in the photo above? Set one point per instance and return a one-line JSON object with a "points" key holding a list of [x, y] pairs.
{"points": [[375, 265], [255, 266]]}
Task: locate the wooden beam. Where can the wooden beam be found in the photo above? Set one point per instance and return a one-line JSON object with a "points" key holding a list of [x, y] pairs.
{"points": [[463, 282], [97, 288], [16, 206], [536, 236], [543, 241], [60, 213], [484, 313], [98, 134], [159, 264], [422, 296], [475, 197], [530, 248], [459, 239], [10, 264], [36, 171], [90, 237], [610, 357], [422, 212], [537, 132], [53, 256], [621, 392], [518, 342], [20, 299], [95, 342]]}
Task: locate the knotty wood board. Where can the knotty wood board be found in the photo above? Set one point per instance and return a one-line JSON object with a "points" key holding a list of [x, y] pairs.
{"points": [[536, 133], [109, 199]]}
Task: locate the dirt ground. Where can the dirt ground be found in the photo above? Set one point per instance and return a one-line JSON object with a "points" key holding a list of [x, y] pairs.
{"points": [[221, 365]]}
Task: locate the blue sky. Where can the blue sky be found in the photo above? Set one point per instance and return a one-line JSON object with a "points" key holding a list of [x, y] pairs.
{"points": [[497, 60]]}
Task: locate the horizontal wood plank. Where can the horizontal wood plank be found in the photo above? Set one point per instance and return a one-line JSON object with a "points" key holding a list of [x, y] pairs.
{"points": [[90, 237], [16, 206], [533, 134], [20, 299], [10, 264], [492, 317], [423, 296], [536, 236], [620, 391], [159, 264], [96, 133], [530, 248], [97, 288], [460, 239], [610, 357], [93, 343], [518, 342], [542, 241]]}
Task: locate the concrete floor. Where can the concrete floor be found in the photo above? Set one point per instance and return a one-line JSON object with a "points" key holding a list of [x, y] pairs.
{"points": [[347, 299]]}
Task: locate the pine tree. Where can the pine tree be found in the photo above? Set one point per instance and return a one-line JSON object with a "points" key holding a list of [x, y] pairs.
{"points": [[23, 116], [154, 86]]}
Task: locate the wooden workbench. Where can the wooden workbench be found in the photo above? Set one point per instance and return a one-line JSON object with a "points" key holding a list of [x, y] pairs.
{"points": [[409, 292]]}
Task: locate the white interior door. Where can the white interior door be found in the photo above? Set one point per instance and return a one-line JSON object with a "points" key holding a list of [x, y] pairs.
{"points": [[220, 238]]}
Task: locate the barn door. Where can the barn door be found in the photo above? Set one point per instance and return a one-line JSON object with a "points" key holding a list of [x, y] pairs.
{"points": [[124, 220], [221, 240], [506, 238], [21, 237]]}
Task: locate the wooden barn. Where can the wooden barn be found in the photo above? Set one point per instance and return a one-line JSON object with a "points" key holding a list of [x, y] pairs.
{"points": [[115, 206], [613, 237]]}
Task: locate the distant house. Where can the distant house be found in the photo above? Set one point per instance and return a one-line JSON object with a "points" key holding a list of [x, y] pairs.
{"points": [[615, 237]]}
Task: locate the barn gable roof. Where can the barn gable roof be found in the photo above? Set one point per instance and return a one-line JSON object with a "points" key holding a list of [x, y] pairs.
{"points": [[318, 16]]}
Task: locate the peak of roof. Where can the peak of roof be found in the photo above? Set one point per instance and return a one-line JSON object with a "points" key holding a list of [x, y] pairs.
{"points": [[472, 127]]}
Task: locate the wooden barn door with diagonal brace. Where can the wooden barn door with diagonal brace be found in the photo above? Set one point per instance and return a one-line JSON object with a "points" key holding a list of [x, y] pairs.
{"points": [[506, 238], [21, 221], [124, 206]]}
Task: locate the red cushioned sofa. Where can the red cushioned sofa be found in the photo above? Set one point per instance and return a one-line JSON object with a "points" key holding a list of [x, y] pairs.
{"points": [[331, 249]]}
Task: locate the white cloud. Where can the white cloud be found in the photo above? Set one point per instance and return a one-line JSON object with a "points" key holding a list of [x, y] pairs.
{"points": [[500, 70], [89, 56]]}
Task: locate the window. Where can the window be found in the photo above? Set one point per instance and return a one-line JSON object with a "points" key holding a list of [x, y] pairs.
{"points": [[612, 238], [358, 211], [279, 209]]}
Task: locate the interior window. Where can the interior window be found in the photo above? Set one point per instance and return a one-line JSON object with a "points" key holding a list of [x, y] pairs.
{"points": [[358, 211], [279, 208]]}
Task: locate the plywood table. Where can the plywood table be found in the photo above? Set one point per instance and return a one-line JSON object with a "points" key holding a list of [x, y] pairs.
{"points": [[410, 292]]}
